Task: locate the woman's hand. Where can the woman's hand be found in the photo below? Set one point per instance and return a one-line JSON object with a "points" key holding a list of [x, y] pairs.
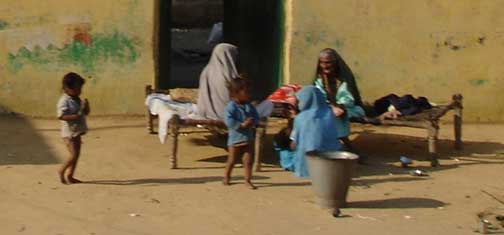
{"points": [[293, 145], [338, 111]]}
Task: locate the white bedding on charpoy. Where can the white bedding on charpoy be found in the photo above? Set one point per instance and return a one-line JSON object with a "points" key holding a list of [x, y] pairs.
{"points": [[165, 107]]}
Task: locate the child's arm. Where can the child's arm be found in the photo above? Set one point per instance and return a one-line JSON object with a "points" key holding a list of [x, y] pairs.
{"points": [[229, 117], [86, 109], [62, 112], [255, 116], [248, 123]]}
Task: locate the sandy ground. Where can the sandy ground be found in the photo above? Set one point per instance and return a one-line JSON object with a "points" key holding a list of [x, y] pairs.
{"points": [[127, 172]]}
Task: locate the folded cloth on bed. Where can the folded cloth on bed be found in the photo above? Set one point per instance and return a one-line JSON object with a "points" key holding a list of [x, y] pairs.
{"points": [[285, 94], [405, 105], [165, 107]]}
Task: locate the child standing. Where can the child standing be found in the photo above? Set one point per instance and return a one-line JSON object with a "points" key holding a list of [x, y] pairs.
{"points": [[71, 110], [240, 118]]}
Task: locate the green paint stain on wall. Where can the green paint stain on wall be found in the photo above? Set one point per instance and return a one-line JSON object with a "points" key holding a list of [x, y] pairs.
{"points": [[315, 37], [478, 82], [357, 77], [115, 47], [338, 44], [3, 25]]}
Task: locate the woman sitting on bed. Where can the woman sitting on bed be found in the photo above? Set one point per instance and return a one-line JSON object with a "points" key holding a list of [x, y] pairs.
{"points": [[336, 81], [213, 93]]}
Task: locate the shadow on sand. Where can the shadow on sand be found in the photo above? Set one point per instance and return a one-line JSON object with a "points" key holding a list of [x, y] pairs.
{"points": [[188, 180], [21, 143], [397, 203]]}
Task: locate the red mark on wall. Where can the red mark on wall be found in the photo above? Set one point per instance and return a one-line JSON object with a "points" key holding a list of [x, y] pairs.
{"points": [[79, 33], [83, 38]]}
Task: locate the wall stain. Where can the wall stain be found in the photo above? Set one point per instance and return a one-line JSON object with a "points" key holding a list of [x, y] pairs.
{"points": [[357, 77], [478, 82], [338, 44], [3, 25], [454, 46], [315, 37], [88, 54], [481, 40]]}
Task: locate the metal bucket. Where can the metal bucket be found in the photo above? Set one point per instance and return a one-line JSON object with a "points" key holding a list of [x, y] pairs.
{"points": [[331, 173]]}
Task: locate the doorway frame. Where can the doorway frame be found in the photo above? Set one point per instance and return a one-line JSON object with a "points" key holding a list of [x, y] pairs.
{"points": [[162, 44]]}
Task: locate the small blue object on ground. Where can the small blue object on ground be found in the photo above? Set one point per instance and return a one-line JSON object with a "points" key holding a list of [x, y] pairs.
{"points": [[405, 161]]}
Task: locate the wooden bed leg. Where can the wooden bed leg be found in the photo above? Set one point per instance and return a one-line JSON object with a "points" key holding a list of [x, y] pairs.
{"points": [[433, 131], [259, 145], [150, 127], [174, 126], [457, 120]]}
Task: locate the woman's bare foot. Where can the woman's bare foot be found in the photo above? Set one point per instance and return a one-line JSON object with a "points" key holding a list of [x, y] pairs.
{"points": [[62, 177], [225, 182], [249, 185], [73, 180]]}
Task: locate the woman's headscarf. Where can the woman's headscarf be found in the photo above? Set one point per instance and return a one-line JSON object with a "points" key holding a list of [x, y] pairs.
{"points": [[314, 127], [343, 72], [213, 94]]}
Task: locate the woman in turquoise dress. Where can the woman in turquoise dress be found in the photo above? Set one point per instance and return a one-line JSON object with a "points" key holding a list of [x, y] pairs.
{"points": [[336, 81]]}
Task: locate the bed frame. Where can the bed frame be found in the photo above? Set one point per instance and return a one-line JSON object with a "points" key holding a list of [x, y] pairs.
{"points": [[427, 119], [215, 126]]}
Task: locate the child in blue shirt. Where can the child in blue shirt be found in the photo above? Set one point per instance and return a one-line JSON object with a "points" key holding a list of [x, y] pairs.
{"points": [[240, 118]]}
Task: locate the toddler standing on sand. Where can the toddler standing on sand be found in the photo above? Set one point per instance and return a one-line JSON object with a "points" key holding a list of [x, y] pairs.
{"points": [[72, 111], [240, 117]]}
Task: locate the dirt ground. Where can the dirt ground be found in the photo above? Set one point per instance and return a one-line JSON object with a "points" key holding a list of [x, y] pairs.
{"points": [[127, 173]]}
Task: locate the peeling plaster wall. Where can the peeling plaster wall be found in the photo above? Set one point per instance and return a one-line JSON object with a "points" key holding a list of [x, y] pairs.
{"points": [[431, 48], [107, 42]]}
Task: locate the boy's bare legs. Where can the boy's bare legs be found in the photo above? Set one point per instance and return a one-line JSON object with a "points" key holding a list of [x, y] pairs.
{"points": [[73, 146], [248, 161], [233, 152], [76, 146], [67, 163]]}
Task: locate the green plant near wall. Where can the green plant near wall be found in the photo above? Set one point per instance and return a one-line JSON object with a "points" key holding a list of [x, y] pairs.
{"points": [[114, 47]]}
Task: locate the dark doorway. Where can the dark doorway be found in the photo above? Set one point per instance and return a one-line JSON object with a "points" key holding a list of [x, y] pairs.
{"points": [[184, 50], [255, 26]]}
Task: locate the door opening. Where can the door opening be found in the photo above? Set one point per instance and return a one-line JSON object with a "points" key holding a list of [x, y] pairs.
{"points": [[183, 32]]}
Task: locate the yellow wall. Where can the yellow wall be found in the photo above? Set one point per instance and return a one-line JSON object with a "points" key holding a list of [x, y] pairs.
{"points": [[108, 42], [432, 48]]}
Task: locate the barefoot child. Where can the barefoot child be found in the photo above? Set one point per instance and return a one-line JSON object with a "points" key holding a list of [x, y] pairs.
{"points": [[72, 111], [240, 118]]}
